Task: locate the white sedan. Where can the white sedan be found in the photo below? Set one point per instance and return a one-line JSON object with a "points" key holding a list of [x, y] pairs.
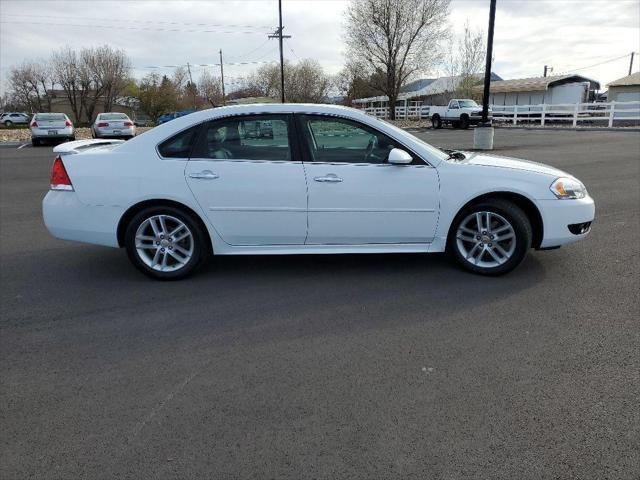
{"points": [[50, 126], [327, 180], [113, 125]]}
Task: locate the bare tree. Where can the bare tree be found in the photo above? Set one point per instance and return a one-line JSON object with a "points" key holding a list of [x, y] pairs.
{"points": [[395, 39], [308, 82], [305, 81], [111, 70], [465, 61], [31, 84], [210, 88], [71, 76]]}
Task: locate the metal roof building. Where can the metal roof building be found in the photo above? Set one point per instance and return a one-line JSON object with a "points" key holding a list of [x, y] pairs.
{"points": [[426, 91], [625, 89], [537, 90]]}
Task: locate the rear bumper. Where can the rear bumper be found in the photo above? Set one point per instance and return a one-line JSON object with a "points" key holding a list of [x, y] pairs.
{"points": [[108, 132], [69, 219], [560, 218], [44, 132]]}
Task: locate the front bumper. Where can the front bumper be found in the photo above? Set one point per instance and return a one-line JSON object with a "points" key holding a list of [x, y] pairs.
{"points": [[561, 216], [66, 217]]}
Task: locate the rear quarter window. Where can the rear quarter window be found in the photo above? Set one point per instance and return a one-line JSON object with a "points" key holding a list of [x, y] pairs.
{"points": [[180, 145]]}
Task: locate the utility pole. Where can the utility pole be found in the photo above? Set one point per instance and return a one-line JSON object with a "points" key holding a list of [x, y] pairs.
{"points": [[631, 62], [192, 86], [487, 68], [545, 71], [224, 102], [278, 34], [483, 135]]}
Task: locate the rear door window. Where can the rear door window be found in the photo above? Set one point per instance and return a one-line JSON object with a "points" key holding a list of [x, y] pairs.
{"points": [[255, 137]]}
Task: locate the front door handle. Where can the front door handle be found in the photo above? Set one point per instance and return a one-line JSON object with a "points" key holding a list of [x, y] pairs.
{"points": [[204, 175], [329, 178]]}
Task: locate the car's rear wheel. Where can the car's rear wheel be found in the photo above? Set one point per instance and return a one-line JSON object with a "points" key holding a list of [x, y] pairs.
{"points": [[436, 121], [35, 142], [165, 243], [491, 237]]}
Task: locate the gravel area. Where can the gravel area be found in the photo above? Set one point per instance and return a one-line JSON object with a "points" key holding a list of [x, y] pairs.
{"points": [[24, 134]]}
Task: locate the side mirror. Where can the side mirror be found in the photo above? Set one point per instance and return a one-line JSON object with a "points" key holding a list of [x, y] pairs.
{"points": [[398, 156]]}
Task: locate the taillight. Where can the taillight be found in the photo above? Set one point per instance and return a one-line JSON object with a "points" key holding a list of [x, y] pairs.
{"points": [[67, 123], [34, 124], [103, 124], [59, 178], [128, 124]]}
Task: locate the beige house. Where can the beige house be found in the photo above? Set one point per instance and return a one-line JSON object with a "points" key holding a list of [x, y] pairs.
{"points": [[556, 89], [625, 89]]}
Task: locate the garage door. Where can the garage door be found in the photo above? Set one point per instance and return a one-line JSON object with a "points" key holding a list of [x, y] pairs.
{"points": [[627, 111]]}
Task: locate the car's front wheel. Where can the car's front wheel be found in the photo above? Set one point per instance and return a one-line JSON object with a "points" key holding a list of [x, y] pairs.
{"points": [[8, 123], [491, 237], [165, 243]]}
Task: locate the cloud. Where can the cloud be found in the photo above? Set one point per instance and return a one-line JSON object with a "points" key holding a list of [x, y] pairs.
{"points": [[529, 33]]}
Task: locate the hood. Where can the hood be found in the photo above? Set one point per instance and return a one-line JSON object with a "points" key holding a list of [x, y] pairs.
{"points": [[513, 163]]}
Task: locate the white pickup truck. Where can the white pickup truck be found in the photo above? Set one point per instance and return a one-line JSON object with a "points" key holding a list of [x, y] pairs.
{"points": [[461, 112]]}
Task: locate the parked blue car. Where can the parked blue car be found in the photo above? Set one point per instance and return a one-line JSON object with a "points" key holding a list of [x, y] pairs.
{"points": [[170, 116]]}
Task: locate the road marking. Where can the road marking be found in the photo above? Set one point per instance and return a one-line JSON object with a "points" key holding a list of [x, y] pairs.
{"points": [[22, 146]]}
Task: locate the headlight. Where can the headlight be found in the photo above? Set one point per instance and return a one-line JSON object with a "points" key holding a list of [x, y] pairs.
{"points": [[568, 188]]}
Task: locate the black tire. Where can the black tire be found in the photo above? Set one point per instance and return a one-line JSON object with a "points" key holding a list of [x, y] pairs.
{"points": [[464, 122], [8, 123], [436, 121], [201, 242], [72, 139], [513, 215], [35, 142]]}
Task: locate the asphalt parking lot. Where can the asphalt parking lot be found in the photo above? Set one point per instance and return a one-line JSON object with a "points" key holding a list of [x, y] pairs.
{"points": [[361, 366]]}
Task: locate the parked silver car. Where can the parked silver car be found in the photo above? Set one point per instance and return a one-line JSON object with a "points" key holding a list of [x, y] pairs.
{"points": [[113, 125], [14, 118], [51, 126]]}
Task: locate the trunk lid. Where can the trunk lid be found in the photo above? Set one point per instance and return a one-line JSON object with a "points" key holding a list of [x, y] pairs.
{"points": [[82, 146]]}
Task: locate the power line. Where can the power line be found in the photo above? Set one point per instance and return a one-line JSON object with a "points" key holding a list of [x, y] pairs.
{"points": [[154, 22], [203, 64], [246, 54], [149, 29], [594, 65]]}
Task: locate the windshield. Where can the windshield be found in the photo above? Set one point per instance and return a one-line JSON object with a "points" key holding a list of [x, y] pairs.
{"points": [[113, 116], [50, 116], [467, 103], [436, 152]]}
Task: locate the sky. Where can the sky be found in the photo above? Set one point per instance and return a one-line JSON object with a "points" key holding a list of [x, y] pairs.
{"points": [[593, 38]]}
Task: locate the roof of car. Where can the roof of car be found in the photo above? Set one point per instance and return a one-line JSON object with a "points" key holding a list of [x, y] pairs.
{"points": [[185, 121]]}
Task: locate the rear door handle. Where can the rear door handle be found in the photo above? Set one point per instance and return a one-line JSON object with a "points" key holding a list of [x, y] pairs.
{"points": [[204, 175], [329, 178]]}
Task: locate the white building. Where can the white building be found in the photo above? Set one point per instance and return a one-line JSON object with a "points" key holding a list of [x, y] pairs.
{"points": [[556, 89], [426, 91], [625, 89]]}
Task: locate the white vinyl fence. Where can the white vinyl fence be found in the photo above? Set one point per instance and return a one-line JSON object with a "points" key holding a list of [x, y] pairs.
{"points": [[599, 114]]}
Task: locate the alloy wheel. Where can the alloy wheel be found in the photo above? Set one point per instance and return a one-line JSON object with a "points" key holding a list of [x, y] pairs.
{"points": [[486, 239], [164, 243]]}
